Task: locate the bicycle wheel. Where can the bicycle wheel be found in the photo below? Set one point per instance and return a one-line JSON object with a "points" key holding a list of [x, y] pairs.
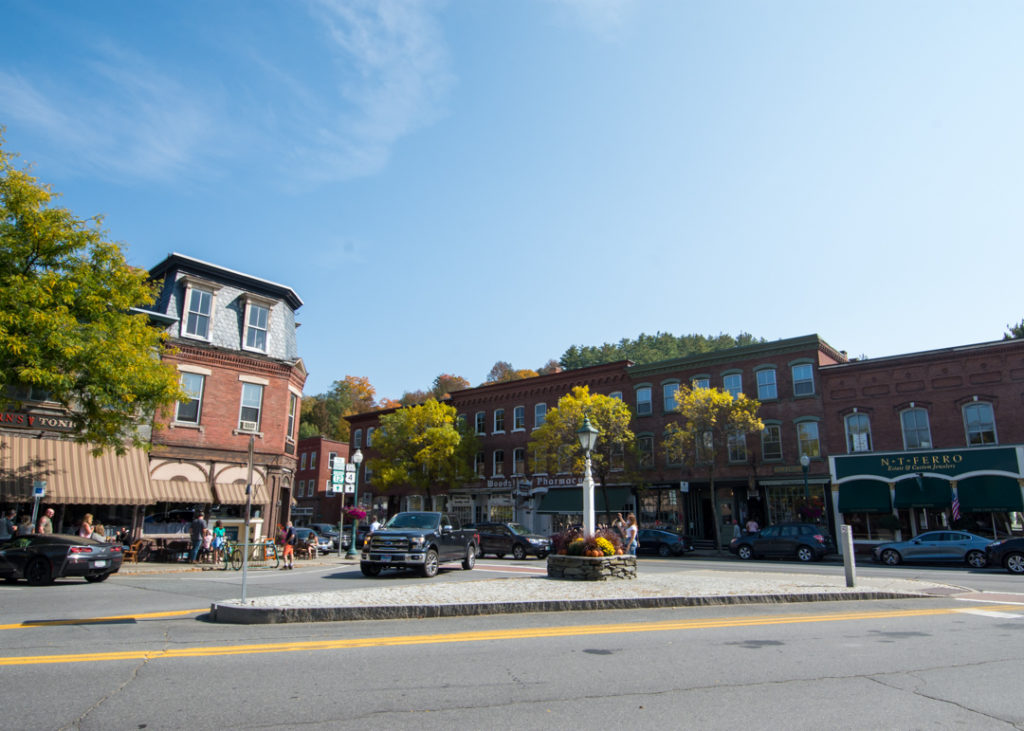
{"points": [[236, 559]]}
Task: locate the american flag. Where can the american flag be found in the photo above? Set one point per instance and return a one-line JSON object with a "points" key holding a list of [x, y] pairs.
{"points": [[956, 507]]}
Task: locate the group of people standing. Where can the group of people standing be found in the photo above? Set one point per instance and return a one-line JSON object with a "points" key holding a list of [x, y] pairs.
{"points": [[9, 528]]}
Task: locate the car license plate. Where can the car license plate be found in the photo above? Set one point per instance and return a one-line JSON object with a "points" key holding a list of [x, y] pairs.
{"points": [[99, 564]]}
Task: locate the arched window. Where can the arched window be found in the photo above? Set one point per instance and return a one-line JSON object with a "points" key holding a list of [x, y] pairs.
{"points": [[858, 433]]}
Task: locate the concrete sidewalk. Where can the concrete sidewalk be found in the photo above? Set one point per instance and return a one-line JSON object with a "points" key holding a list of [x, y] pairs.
{"points": [[694, 584]]}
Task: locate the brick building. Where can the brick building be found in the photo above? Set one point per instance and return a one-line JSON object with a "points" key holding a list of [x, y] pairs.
{"points": [[235, 348], [915, 432], [315, 501]]}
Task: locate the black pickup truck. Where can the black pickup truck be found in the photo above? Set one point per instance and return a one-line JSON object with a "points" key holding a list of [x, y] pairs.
{"points": [[421, 541]]}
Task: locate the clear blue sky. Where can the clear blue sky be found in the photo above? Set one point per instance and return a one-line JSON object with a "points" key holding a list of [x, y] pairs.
{"points": [[451, 184]]}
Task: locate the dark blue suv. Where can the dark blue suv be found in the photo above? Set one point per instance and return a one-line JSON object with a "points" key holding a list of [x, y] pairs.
{"points": [[803, 541]]}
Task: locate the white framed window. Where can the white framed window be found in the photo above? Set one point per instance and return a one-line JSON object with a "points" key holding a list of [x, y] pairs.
{"points": [[481, 422], [311, 488], [980, 424], [643, 401], [293, 407], [331, 456], [540, 412], [302, 461], [737, 446], [198, 314], [668, 395], [858, 432], [917, 433], [767, 387], [519, 418], [300, 488], [499, 421], [190, 411], [771, 442], [733, 383], [479, 464], [498, 462], [257, 318], [807, 439], [701, 382], [369, 435], [252, 406], [803, 379], [518, 461], [312, 460], [357, 439]]}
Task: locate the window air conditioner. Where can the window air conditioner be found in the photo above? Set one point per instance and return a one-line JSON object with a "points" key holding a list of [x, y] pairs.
{"points": [[247, 425]]}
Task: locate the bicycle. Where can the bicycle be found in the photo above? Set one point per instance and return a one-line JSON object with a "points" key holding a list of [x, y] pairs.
{"points": [[263, 553]]}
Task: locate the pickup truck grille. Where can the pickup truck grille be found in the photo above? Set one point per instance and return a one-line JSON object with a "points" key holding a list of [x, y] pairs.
{"points": [[388, 543]]}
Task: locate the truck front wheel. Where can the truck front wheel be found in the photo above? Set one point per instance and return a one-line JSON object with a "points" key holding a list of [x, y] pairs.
{"points": [[369, 569], [470, 560], [429, 569]]}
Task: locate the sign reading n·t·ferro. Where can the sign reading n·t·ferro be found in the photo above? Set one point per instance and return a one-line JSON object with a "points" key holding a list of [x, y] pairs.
{"points": [[949, 463]]}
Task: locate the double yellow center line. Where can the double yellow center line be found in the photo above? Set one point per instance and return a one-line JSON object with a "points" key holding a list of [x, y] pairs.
{"points": [[428, 639]]}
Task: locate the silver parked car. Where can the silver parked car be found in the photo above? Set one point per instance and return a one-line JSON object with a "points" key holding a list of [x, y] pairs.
{"points": [[937, 545]]}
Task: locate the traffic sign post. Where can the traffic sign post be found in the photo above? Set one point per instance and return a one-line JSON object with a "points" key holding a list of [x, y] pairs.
{"points": [[38, 492]]}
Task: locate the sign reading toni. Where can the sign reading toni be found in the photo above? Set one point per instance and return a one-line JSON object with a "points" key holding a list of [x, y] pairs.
{"points": [[36, 421]]}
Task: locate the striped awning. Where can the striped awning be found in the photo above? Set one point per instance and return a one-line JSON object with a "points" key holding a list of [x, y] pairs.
{"points": [[182, 491], [72, 474], [232, 493]]}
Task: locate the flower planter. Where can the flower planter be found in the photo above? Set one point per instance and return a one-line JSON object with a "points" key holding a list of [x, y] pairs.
{"points": [[585, 568]]}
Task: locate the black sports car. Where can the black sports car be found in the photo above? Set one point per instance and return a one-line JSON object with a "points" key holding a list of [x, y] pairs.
{"points": [[39, 559]]}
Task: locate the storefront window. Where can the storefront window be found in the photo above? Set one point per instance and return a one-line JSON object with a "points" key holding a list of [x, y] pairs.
{"points": [[661, 509], [790, 503], [872, 526]]}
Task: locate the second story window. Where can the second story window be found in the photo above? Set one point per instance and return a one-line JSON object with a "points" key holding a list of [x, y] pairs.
{"points": [[733, 383], [293, 407], [479, 464], [668, 395], [252, 405], [807, 437], [481, 422], [519, 418], [499, 420], [980, 423], [540, 412], [858, 433], [357, 438], [701, 382], [198, 312], [916, 431], [189, 411], [499, 462], [645, 447], [369, 436], [737, 445], [643, 401], [803, 380], [302, 461], [312, 460], [767, 388], [257, 318], [771, 442], [518, 461]]}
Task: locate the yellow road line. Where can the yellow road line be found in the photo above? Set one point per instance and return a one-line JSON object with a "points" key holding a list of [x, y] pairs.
{"points": [[100, 620], [481, 636]]}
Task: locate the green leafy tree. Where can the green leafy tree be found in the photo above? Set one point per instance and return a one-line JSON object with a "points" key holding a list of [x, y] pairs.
{"points": [[707, 419], [447, 384], [325, 414], [652, 348], [422, 448], [555, 446], [1014, 331], [67, 326]]}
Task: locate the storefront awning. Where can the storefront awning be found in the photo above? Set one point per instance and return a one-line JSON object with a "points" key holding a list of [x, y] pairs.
{"points": [[923, 492], [989, 494], [233, 493], [72, 474], [570, 500], [181, 491], [864, 496]]}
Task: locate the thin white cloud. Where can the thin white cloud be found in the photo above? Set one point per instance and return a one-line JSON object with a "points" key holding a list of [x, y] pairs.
{"points": [[603, 18]]}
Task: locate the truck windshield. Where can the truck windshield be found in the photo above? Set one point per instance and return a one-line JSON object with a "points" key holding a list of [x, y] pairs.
{"points": [[413, 520]]}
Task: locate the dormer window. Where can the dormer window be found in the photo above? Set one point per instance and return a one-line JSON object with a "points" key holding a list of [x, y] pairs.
{"points": [[257, 322], [197, 314]]}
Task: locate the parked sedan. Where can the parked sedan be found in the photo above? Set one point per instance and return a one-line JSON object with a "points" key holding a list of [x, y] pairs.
{"points": [[662, 542], [39, 559], [1008, 553], [503, 539], [327, 530], [804, 541], [938, 546]]}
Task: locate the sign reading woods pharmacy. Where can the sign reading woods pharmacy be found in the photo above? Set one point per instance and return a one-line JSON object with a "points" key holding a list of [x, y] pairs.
{"points": [[952, 464]]}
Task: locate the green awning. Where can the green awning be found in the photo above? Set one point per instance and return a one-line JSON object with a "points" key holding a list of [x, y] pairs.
{"points": [[990, 493], [570, 500], [924, 492], [864, 496]]}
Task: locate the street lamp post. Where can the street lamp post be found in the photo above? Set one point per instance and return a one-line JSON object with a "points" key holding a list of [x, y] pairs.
{"points": [[357, 459], [587, 435], [805, 462]]}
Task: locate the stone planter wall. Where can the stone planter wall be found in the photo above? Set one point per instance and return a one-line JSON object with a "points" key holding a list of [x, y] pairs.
{"points": [[585, 568]]}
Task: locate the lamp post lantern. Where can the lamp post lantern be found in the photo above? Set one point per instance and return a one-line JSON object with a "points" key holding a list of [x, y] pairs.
{"points": [[357, 459], [587, 435], [805, 462]]}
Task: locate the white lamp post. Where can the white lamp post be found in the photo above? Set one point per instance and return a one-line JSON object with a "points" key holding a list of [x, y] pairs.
{"points": [[357, 459], [587, 435], [805, 462]]}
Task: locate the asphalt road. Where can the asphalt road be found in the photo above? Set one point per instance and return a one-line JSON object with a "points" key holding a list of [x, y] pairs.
{"points": [[937, 663]]}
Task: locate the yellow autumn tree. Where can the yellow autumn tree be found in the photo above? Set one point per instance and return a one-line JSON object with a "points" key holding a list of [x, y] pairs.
{"points": [[708, 417]]}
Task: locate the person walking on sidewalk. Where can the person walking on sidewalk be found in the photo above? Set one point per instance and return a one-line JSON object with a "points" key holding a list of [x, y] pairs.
{"points": [[196, 531], [290, 539]]}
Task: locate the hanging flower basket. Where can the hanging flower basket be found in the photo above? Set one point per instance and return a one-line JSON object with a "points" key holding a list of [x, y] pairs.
{"points": [[355, 513]]}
